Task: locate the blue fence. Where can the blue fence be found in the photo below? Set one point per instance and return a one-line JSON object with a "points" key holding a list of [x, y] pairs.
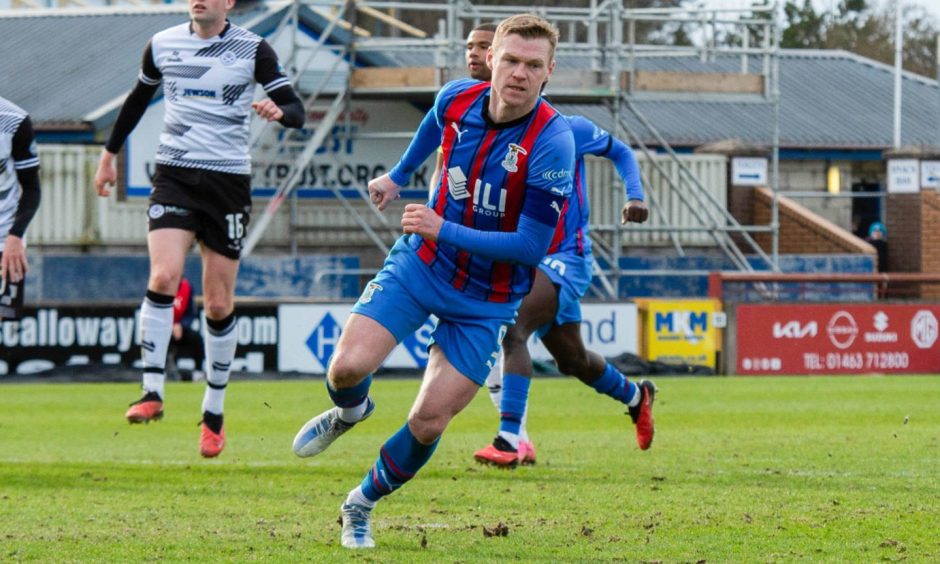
{"points": [[691, 279], [97, 278]]}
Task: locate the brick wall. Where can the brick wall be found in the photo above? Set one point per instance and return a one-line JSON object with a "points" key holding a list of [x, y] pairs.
{"points": [[801, 230], [903, 220], [930, 232], [929, 244]]}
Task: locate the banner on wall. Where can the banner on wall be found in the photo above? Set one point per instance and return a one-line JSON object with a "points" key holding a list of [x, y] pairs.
{"points": [[837, 339], [607, 329], [680, 331], [309, 334], [51, 337], [289, 337]]}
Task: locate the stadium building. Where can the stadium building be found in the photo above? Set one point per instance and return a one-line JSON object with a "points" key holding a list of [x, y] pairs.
{"points": [[754, 157]]}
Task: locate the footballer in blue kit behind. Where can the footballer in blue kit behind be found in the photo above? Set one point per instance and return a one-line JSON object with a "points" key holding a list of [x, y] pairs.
{"points": [[553, 312], [467, 257]]}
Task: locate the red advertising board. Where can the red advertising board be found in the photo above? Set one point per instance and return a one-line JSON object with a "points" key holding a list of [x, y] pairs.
{"points": [[837, 339]]}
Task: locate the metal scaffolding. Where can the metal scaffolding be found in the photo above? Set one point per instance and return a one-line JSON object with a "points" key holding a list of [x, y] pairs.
{"points": [[603, 59]]}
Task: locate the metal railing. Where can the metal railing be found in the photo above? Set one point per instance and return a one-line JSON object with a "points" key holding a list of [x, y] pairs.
{"points": [[71, 213]]}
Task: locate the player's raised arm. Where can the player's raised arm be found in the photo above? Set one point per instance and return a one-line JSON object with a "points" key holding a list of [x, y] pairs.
{"points": [[635, 210], [593, 140], [13, 262], [135, 105], [383, 190], [425, 141], [387, 187], [283, 105]]}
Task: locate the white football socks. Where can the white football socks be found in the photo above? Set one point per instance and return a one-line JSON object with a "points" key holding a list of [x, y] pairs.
{"points": [[637, 396], [356, 497], [494, 385], [156, 327], [220, 351], [355, 413]]}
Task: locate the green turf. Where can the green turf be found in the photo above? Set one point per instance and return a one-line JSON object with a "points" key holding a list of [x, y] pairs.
{"points": [[746, 470]]}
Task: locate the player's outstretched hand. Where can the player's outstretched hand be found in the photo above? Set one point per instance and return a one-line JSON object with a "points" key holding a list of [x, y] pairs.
{"points": [[106, 175], [420, 219], [13, 263], [635, 211], [267, 109], [383, 190]]}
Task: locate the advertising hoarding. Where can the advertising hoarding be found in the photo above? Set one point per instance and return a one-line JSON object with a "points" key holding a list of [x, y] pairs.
{"points": [[49, 337], [680, 331], [309, 334], [837, 339]]}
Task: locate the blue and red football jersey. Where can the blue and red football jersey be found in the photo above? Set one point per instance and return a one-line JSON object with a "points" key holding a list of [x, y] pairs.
{"points": [[488, 171], [571, 235]]}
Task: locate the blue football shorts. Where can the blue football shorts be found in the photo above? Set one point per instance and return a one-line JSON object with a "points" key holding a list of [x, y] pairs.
{"points": [[406, 292], [571, 274]]}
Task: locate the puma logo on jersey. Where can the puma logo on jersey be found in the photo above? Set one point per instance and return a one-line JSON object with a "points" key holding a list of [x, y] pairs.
{"points": [[557, 208], [456, 129]]}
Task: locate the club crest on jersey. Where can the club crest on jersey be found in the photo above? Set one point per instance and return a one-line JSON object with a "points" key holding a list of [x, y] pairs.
{"points": [[227, 58], [511, 160], [371, 289]]}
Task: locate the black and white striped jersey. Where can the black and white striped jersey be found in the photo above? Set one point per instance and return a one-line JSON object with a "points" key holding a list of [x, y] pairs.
{"points": [[17, 153], [208, 87]]}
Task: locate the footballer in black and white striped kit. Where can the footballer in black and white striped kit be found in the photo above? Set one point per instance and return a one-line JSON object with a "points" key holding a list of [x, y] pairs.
{"points": [[19, 200], [209, 69]]}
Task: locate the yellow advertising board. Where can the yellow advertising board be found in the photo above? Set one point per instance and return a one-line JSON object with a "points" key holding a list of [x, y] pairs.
{"points": [[679, 331]]}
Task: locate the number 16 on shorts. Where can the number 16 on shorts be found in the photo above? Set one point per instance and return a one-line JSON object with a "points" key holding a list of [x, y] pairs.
{"points": [[236, 226]]}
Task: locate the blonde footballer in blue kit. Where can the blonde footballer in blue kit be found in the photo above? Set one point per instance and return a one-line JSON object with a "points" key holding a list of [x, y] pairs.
{"points": [[468, 257]]}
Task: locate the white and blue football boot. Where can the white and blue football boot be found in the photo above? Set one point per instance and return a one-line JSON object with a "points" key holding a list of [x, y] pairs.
{"points": [[320, 432], [357, 526]]}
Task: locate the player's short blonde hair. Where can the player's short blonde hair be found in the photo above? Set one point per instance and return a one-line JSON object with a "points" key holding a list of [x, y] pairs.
{"points": [[527, 26]]}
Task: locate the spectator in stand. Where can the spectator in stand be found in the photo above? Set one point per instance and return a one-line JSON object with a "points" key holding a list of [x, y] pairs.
{"points": [[878, 238], [185, 342]]}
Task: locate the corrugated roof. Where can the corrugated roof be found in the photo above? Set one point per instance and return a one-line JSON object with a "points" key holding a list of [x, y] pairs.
{"points": [[829, 99], [71, 65], [62, 67]]}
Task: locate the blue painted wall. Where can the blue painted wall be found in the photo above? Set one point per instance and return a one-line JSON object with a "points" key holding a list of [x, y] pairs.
{"points": [[696, 285], [96, 278]]}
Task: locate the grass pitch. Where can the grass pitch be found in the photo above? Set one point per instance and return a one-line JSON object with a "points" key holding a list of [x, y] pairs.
{"points": [[746, 470]]}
